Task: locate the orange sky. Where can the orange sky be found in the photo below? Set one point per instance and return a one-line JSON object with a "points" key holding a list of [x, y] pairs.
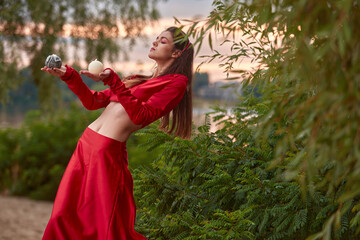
{"points": [[138, 58], [140, 63]]}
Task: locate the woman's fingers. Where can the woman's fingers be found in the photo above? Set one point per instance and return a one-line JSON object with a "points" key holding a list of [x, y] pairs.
{"points": [[54, 71], [105, 74], [90, 75], [85, 72], [96, 77], [50, 71], [45, 69]]}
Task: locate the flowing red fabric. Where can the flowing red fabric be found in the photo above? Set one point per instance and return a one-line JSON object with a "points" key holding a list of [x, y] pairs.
{"points": [[95, 197]]}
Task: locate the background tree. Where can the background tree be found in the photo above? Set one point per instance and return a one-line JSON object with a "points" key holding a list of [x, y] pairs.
{"points": [[299, 177], [200, 80], [85, 30]]}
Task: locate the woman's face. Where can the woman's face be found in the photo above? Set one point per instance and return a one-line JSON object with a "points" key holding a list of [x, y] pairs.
{"points": [[163, 48]]}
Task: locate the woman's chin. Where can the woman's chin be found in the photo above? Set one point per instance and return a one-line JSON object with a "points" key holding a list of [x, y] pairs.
{"points": [[150, 55]]}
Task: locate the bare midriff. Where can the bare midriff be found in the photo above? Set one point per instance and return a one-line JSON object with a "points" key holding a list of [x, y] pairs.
{"points": [[114, 123]]}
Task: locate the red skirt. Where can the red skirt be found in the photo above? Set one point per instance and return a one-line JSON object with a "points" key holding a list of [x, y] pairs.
{"points": [[95, 197]]}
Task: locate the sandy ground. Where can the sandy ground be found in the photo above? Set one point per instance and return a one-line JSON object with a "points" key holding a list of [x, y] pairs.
{"points": [[22, 218]]}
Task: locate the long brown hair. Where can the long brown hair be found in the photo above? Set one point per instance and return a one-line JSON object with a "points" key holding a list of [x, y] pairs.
{"points": [[181, 115]]}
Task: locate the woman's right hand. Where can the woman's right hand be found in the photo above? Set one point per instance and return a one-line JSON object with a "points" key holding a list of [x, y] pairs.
{"points": [[96, 77], [58, 72]]}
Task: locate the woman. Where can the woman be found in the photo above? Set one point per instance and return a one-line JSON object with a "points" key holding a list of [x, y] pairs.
{"points": [[95, 196]]}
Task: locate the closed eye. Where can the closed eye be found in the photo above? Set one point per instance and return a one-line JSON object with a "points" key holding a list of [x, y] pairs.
{"points": [[163, 40]]}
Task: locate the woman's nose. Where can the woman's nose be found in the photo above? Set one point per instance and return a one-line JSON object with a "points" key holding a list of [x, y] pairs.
{"points": [[154, 43]]}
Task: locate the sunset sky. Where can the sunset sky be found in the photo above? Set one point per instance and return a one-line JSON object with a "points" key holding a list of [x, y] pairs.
{"points": [[185, 9]]}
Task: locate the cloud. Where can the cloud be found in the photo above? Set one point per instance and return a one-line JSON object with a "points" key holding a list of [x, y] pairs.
{"points": [[185, 8]]}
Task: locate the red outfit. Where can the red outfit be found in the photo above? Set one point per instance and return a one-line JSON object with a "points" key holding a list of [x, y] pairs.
{"points": [[95, 197]]}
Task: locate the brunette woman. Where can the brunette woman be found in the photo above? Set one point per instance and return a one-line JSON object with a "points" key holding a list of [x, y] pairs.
{"points": [[95, 197]]}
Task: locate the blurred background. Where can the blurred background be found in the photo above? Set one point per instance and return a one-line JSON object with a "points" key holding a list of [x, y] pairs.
{"points": [[41, 119]]}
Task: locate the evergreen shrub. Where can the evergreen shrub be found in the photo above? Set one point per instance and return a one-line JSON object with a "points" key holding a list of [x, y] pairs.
{"points": [[220, 185], [33, 157]]}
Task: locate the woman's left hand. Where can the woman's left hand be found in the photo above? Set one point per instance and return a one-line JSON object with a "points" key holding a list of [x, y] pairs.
{"points": [[96, 77]]}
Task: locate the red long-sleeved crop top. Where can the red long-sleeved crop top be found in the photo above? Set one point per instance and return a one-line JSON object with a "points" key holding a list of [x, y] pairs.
{"points": [[144, 103]]}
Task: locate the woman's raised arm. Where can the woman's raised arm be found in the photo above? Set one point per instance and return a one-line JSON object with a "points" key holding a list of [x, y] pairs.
{"points": [[158, 105], [91, 100]]}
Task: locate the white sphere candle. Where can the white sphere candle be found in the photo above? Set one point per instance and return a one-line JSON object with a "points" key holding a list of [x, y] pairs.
{"points": [[95, 67]]}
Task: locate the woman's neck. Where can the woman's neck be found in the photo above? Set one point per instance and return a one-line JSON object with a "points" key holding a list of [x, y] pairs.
{"points": [[161, 67]]}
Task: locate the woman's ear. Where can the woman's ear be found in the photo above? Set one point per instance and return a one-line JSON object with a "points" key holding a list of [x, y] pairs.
{"points": [[176, 53]]}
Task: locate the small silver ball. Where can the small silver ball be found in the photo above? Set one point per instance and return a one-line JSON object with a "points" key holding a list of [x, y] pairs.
{"points": [[53, 61]]}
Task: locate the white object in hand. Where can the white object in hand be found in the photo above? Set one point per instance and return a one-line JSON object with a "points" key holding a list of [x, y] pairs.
{"points": [[95, 67]]}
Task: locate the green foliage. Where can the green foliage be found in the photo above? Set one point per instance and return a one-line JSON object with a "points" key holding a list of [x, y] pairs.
{"points": [[306, 64], [8, 139], [220, 185], [33, 158], [41, 151]]}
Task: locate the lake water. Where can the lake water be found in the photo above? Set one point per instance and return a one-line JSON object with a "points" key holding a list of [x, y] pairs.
{"points": [[200, 108]]}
